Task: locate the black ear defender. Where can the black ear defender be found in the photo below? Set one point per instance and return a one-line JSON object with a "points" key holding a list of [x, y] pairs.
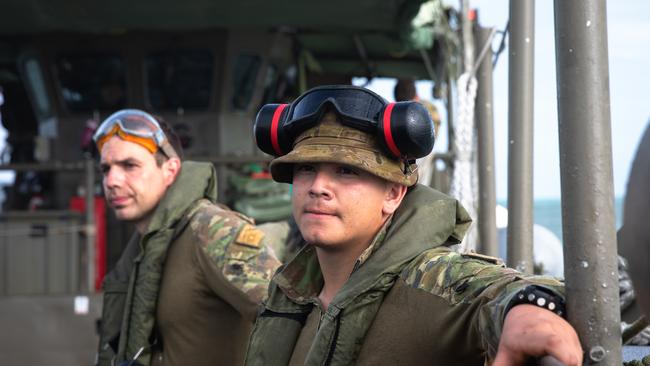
{"points": [[270, 134], [406, 130]]}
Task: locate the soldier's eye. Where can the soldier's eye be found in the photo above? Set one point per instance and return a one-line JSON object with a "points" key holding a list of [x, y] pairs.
{"points": [[303, 168], [344, 170]]}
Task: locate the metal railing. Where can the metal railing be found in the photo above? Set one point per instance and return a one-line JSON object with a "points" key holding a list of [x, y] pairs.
{"points": [[46, 224]]}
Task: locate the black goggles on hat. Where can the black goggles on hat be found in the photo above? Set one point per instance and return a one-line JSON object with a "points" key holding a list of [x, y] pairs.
{"points": [[405, 129]]}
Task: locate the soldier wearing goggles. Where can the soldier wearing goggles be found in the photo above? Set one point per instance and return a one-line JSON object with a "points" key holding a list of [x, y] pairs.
{"points": [[187, 287]]}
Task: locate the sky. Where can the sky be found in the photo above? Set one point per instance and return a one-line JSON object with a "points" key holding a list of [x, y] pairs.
{"points": [[629, 56]]}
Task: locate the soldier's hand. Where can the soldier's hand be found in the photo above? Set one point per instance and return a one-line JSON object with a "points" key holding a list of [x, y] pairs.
{"points": [[529, 331]]}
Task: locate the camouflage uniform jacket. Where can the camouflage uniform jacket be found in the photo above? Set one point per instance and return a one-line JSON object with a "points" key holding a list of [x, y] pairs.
{"points": [[187, 291], [412, 301]]}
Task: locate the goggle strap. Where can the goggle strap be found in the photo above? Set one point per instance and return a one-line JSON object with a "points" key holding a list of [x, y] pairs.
{"points": [[167, 148], [145, 142], [410, 166], [388, 134]]}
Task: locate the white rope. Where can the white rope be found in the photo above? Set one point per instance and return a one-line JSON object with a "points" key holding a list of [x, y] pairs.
{"points": [[465, 181]]}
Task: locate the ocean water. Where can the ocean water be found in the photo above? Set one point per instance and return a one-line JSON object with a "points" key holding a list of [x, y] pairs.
{"points": [[548, 213]]}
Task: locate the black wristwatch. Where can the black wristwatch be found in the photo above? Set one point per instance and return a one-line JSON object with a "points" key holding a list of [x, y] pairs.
{"points": [[540, 297]]}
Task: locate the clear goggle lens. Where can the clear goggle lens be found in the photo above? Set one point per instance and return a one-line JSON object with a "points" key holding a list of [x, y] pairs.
{"points": [[135, 126]]}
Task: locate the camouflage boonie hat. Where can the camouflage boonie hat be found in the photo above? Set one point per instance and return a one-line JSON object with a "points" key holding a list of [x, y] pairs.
{"points": [[332, 142]]}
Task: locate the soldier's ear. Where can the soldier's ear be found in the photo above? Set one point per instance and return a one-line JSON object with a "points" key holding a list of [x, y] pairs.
{"points": [[394, 196], [171, 168]]}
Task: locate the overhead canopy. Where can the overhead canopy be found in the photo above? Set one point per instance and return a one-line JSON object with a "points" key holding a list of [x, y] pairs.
{"points": [[373, 37], [34, 16]]}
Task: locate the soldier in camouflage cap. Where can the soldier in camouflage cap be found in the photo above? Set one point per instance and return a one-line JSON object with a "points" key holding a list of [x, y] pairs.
{"points": [[187, 287], [377, 283]]}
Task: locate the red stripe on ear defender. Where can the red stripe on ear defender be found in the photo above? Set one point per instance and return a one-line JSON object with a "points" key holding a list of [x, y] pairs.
{"points": [[274, 128], [388, 134]]}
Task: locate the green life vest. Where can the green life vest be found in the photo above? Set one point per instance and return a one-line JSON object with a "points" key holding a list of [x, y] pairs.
{"points": [[426, 219], [131, 290]]}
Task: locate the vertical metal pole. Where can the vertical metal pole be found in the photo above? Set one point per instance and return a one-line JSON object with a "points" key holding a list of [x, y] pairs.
{"points": [[520, 135], [90, 223], [485, 122], [589, 231]]}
